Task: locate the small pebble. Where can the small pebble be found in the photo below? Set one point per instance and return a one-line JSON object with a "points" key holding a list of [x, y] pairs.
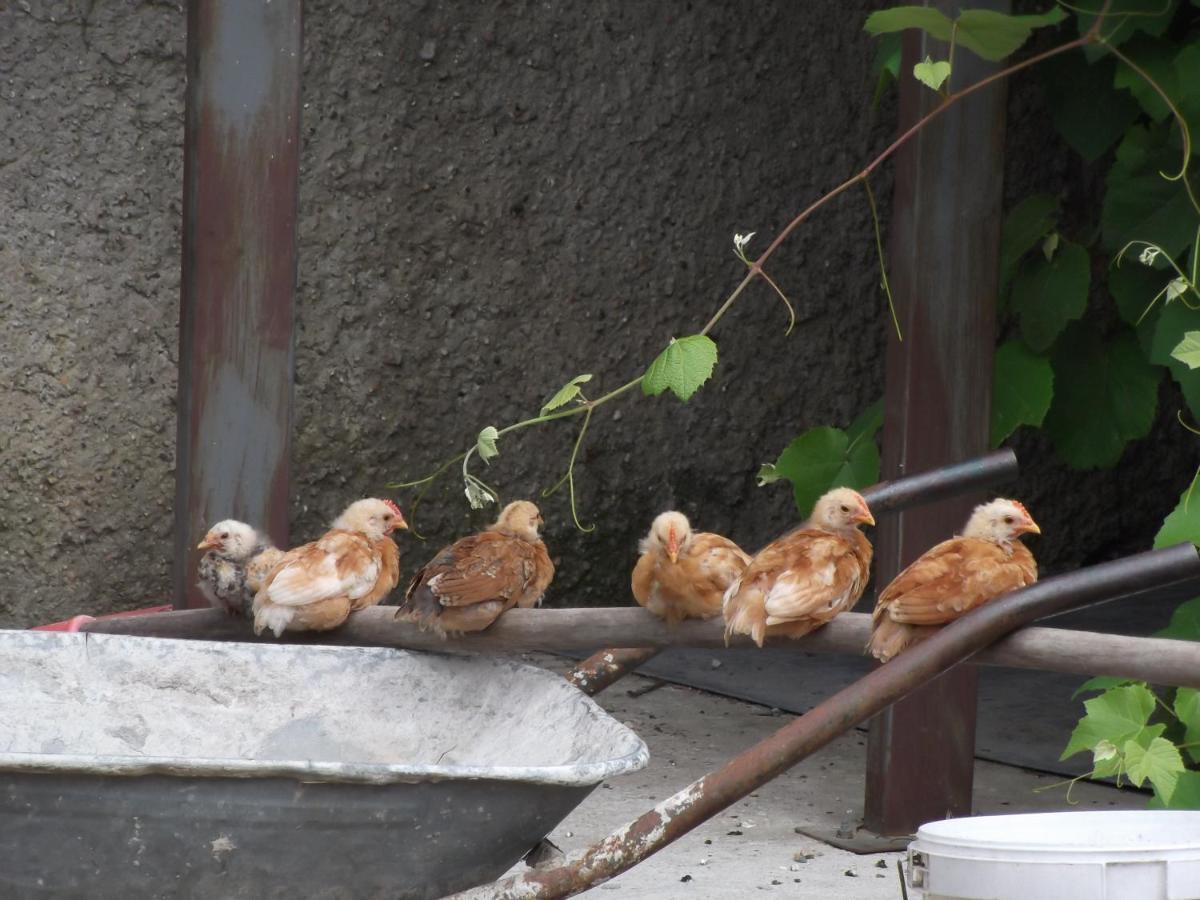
{"points": [[776, 881], [850, 873], [686, 878], [708, 840], [716, 664], [734, 833], [881, 864]]}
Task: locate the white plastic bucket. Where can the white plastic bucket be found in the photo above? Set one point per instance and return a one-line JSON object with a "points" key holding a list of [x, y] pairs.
{"points": [[1118, 855]]}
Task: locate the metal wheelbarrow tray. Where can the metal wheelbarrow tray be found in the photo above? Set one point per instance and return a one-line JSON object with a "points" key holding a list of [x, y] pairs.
{"points": [[154, 768]]}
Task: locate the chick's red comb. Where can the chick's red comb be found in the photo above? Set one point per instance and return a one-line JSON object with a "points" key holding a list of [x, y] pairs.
{"points": [[1021, 506], [393, 507]]}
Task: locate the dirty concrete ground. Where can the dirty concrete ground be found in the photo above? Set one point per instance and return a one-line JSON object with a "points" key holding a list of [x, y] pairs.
{"points": [[753, 845]]}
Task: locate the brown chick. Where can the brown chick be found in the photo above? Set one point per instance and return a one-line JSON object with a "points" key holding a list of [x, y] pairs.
{"points": [[954, 577], [469, 584], [234, 551], [316, 586], [799, 582], [683, 574]]}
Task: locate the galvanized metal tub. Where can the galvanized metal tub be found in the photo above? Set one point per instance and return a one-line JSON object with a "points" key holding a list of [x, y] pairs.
{"points": [[132, 767]]}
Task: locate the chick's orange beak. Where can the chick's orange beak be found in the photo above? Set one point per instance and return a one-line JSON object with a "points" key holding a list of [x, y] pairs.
{"points": [[1030, 527], [209, 543], [864, 516], [672, 546], [398, 523]]}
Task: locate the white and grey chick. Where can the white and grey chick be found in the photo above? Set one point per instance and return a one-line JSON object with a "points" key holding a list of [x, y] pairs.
{"points": [[233, 569]]}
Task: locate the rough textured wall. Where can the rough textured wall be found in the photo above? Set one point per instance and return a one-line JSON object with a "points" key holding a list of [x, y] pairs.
{"points": [[495, 197]]}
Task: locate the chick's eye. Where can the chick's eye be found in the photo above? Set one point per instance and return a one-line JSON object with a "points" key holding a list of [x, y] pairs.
{"points": [[1008, 520], [845, 508], [224, 534]]}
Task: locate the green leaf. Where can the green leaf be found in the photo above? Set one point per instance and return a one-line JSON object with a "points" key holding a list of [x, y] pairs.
{"points": [[1187, 709], [1105, 395], [1185, 621], [1117, 715], [1066, 80], [1022, 388], [1160, 763], [1187, 75], [485, 444], [1187, 789], [1133, 286], [1099, 683], [886, 66], [1026, 224], [1048, 295], [1182, 524], [1187, 351], [685, 365], [1157, 58], [1139, 203], [566, 393], [823, 458], [994, 35], [1168, 326], [901, 18], [1150, 17], [932, 74]]}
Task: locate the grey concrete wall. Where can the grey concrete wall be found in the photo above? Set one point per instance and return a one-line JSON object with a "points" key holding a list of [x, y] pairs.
{"points": [[495, 197]]}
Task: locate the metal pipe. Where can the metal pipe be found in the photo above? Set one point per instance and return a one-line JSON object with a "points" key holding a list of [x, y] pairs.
{"points": [[852, 705], [604, 667]]}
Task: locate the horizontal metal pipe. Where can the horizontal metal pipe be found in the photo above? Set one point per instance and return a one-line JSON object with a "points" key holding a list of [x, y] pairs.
{"points": [[854, 704], [604, 667]]}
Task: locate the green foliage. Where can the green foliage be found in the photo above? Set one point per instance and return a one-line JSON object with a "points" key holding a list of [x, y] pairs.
{"points": [[932, 74], [989, 34], [685, 365], [823, 458], [485, 444], [1100, 683], [1158, 762], [1117, 715], [1187, 351], [565, 394], [1022, 387], [1074, 91], [1183, 523], [1026, 224], [1185, 622], [1105, 395], [1139, 203], [1048, 294], [1187, 709]]}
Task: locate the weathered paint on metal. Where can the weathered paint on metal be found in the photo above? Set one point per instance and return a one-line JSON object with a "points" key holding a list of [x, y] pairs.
{"points": [[884, 685], [945, 234], [605, 667], [241, 165]]}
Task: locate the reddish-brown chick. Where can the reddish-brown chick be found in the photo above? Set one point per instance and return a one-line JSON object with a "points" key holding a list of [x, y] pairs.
{"points": [[469, 584], [683, 574], [799, 582], [951, 579], [354, 565]]}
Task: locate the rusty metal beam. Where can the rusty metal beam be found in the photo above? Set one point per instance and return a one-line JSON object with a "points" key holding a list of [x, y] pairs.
{"points": [[604, 667], [945, 234], [241, 165], [885, 685]]}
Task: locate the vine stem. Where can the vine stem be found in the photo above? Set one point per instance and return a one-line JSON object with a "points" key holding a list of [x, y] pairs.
{"points": [[1092, 35]]}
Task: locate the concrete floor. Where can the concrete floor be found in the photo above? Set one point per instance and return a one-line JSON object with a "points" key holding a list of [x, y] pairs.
{"points": [[753, 846]]}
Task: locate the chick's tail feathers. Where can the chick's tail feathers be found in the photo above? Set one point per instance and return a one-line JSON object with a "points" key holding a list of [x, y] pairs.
{"points": [[746, 613], [268, 615], [890, 638]]}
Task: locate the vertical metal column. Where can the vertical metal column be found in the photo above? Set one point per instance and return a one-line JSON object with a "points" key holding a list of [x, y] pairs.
{"points": [[945, 232], [241, 166]]}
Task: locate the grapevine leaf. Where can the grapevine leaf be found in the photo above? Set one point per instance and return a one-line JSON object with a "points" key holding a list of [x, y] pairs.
{"points": [[900, 18], [485, 444], [1049, 294], [824, 458], [1168, 325], [1185, 621], [1149, 17], [1050, 245], [1099, 683], [1022, 388], [1182, 525], [1026, 223], [1187, 789], [1105, 395], [566, 393], [994, 35], [1141, 205], [1187, 708], [887, 65], [1106, 759], [1068, 78], [1159, 763], [1157, 58], [1187, 351], [932, 74], [1133, 286], [477, 492], [685, 365], [1117, 715]]}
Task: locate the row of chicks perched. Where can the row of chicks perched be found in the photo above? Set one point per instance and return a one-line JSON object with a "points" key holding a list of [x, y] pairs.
{"points": [[804, 579], [356, 564], [791, 587]]}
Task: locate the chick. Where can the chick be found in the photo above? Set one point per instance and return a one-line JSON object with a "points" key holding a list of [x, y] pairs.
{"points": [[986, 561], [227, 572], [801, 581], [469, 584], [354, 565], [683, 574]]}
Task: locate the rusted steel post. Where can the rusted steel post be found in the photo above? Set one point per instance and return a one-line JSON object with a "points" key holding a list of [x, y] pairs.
{"points": [[240, 184], [604, 667], [886, 684], [945, 234]]}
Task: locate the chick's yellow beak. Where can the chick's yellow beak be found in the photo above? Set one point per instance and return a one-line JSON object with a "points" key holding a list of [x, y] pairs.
{"points": [[864, 517], [209, 543], [1031, 527]]}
